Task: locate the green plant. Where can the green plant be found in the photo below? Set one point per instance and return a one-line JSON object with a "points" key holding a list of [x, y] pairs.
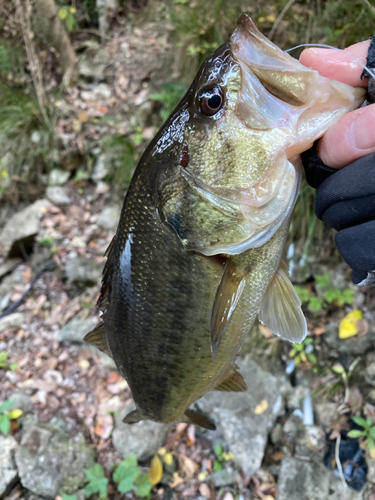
{"points": [[169, 96], [123, 154], [303, 352], [221, 457], [4, 60], [96, 482], [334, 33], [4, 362], [67, 13], [129, 477], [64, 496], [7, 415], [368, 432]]}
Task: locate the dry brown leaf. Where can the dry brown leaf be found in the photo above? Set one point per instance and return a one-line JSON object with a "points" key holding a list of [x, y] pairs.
{"points": [[277, 456], [177, 480], [261, 407], [83, 117], [187, 467], [266, 332], [204, 490], [319, 330], [190, 435]]}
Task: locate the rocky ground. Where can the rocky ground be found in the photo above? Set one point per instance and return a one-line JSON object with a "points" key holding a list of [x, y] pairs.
{"points": [[273, 442]]}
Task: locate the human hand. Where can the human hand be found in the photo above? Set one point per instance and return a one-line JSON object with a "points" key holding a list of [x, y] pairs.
{"points": [[346, 200]]}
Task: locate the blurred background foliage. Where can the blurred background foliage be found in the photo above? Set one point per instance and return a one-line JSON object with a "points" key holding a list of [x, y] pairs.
{"points": [[29, 143]]}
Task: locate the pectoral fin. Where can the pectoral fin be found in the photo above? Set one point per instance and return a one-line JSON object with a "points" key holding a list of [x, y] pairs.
{"points": [[227, 296], [193, 417], [281, 308], [98, 338], [233, 382]]}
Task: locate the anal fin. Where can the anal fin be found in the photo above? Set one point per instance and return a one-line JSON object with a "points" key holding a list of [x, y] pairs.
{"points": [[197, 418], [133, 417], [98, 338], [281, 308], [233, 382], [227, 296]]}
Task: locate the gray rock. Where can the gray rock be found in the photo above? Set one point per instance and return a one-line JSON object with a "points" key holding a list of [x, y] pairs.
{"points": [[143, 438], [93, 63], [22, 228], [224, 477], [104, 7], [22, 401], [83, 272], [11, 321], [302, 480], [9, 282], [75, 330], [58, 177], [244, 431], [277, 434], [101, 168], [102, 91], [9, 265], [48, 462], [58, 196], [109, 218], [104, 360], [325, 413], [353, 345], [315, 439], [8, 469]]}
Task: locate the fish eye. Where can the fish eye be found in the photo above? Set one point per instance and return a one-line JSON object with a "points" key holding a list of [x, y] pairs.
{"points": [[211, 101]]}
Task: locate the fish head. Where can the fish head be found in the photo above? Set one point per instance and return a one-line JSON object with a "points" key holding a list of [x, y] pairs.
{"points": [[235, 173]]}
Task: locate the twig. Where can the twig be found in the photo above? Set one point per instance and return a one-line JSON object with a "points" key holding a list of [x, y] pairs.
{"points": [[371, 6], [338, 462], [279, 18], [24, 17]]}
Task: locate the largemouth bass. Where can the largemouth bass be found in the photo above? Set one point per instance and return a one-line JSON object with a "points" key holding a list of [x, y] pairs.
{"points": [[197, 253]]}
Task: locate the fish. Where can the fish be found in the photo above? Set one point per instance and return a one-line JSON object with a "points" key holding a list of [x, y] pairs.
{"points": [[197, 254]]}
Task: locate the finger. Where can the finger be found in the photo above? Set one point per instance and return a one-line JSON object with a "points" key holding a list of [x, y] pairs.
{"points": [[338, 64], [355, 135], [356, 246]]}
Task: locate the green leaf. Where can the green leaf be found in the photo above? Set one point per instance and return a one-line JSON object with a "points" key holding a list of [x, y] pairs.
{"points": [[126, 485], [94, 472], [331, 295], [359, 421], [4, 424], [3, 359], [372, 432], [218, 450], [356, 433], [127, 468], [370, 443], [63, 13], [97, 483], [6, 405], [323, 279], [217, 466], [312, 357], [303, 293], [68, 497], [144, 486], [368, 422], [308, 341], [297, 359], [315, 304]]}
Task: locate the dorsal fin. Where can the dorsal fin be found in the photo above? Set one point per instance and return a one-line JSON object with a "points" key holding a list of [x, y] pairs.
{"points": [[281, 308], [98, 338], [106, 278], [227, 296], [232, 382]]}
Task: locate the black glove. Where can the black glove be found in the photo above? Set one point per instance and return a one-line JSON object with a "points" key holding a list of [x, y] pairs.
{"points": [[345, 200]]}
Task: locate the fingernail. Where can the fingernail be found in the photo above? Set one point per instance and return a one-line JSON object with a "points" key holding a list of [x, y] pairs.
{"points": [[321, 52], [362, 130]]}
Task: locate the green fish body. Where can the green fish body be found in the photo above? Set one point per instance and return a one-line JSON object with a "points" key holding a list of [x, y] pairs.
{"points": [[197, 253]]}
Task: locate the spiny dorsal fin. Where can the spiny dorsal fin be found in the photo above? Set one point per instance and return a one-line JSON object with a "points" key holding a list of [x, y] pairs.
{"points": [[233, 382], [227, 296], [133, 417], [98, 338], [193, 417], [281, 308], [106, 278]]}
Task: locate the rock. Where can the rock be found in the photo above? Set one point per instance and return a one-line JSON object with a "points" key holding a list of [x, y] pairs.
{"points": [[9, 282], [224, 477], [277, 434], [48, 462], [75, 330], [58, 196], [353, 345], [143, 438], [315, 439], [325, 413], [22, 401], [302, 480], [12, 321], [244, 431], [109, 218], [21, 229], [370, 468], [104, 8], [102, 91], [8, 469], [93, 63], [58, 177], [83, 272], [101, 168], [296, 398], [9, 265]]}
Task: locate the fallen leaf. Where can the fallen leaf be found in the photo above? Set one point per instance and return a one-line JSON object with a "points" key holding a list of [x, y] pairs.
{"points": [[83, 117], [319, 330], [155, 472], [104, 426], [168, 458], [177, 480], [204, 490], [190, 435], [261, 407], [202, 475], [362, 327], [277, 456], [187, 466], [348, 326], [372, 452], [266, 332]]}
